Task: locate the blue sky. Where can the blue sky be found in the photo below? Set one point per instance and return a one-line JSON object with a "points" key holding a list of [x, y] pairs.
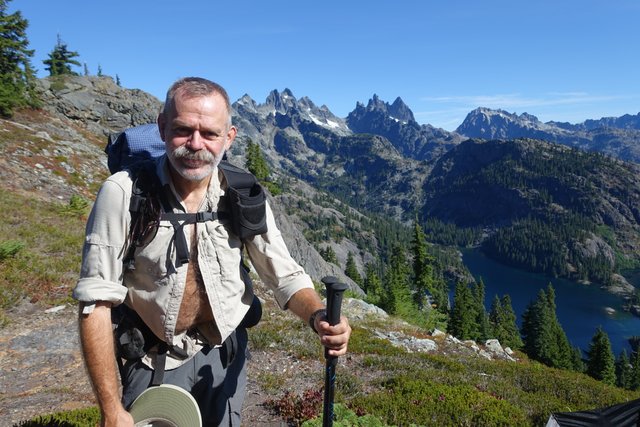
{"points": [[562, 60]]}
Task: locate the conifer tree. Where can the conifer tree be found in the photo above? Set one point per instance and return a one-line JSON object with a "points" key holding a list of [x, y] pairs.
{"points": [[577, 364], [462, 316], [502, 319], [422, 265], [61, 59], [397, 298], [256, 163], [424, 273], [543, 336], [17, 77], [482, 326], [329, 255], [600, 359], [623, 370], [258, 166], [351, 270], [634, 383], [373, 286]]}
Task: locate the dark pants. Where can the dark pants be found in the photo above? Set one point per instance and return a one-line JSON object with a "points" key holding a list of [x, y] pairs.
{"points": [[218, 389]]}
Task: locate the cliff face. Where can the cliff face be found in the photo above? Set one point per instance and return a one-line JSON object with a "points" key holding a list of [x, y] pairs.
{"points": [[97, 103]]}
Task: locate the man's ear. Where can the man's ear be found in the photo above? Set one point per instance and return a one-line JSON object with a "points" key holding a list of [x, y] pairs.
{"points": [[231, 135], [161, 122]]}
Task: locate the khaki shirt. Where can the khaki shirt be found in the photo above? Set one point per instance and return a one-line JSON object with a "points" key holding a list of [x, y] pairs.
{"points": [[155, 288]]}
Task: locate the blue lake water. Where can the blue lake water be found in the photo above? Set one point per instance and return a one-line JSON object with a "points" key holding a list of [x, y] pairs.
{"points": [[580, 308]]}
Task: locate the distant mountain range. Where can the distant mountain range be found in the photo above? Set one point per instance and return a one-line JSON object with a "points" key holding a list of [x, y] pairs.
{"points": [[616, 136]]}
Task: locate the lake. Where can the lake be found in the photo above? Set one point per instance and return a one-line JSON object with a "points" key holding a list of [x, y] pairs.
{"points": [[580, 308]]}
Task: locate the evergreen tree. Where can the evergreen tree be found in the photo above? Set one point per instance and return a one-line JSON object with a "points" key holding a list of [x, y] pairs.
{"points": [[600, 359], [482, 327], [17, 77], [329, 255], [425, 278], [502, 319], [422, 265], [255, 161], [61, 59], [634, 383], [99, 71], [397, 298], [351, 270], [623, 370], [85, 69], [543, 336], [118, 80], [258, 166], [462, 317], [577, 364], [373, 286]]}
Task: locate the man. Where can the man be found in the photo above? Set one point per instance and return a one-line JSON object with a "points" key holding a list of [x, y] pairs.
{"points": [[197, 306]]}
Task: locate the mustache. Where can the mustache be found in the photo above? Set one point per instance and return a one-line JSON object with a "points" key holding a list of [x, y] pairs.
{"points": [[183, 152]]}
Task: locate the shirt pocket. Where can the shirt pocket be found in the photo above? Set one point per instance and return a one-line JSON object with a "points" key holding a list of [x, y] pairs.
{"points": [[155, 259], [226, 248]]}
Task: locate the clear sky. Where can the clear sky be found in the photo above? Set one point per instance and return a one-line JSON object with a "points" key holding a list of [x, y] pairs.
{"points": [[562, 60]]}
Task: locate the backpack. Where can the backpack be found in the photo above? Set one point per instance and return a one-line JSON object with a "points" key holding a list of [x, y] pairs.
{"points": [[135, 150]]}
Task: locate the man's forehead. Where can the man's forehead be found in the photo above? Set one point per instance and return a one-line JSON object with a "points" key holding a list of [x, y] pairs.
{"points": [[212, 105]]}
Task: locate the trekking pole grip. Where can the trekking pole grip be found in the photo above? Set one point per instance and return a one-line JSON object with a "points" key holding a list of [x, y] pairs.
{"points": [[335, 290]]}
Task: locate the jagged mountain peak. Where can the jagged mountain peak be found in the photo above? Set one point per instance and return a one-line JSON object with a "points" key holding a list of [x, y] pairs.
{"points": [[286, 104], [398, 110], [281, 102], [401, 111]]}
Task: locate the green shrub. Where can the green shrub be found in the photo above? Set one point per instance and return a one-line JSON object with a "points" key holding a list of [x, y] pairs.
{"points": [[344, 417], [406, 400], [75, 418], [10, 248], [362, 341], [78, 206]]}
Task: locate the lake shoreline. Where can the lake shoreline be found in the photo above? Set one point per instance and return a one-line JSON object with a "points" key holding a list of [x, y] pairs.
{"points": [[581, 308]]}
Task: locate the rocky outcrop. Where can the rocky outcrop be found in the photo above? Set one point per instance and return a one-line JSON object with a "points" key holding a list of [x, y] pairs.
{"points": [[97, 103]]}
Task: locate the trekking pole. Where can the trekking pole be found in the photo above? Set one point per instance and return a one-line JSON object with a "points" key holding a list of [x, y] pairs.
{"points": [[334, 302]]}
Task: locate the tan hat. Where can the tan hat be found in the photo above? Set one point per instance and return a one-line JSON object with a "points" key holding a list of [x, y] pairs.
{"points": [[166, 405]]}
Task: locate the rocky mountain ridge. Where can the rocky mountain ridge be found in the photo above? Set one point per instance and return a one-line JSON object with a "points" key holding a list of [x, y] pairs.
{"points": [[618, 137]]}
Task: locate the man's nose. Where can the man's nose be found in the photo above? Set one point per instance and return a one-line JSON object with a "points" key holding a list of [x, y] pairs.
{"points": [[196, 141]]}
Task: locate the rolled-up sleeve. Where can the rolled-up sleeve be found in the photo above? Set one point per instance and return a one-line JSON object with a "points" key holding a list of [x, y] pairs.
{"points": [[106, 232], [274, 264]]}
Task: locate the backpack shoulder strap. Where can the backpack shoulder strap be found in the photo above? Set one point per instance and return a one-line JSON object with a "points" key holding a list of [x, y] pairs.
{"points": [[236, 177], [247, 201], [145, 206]]}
